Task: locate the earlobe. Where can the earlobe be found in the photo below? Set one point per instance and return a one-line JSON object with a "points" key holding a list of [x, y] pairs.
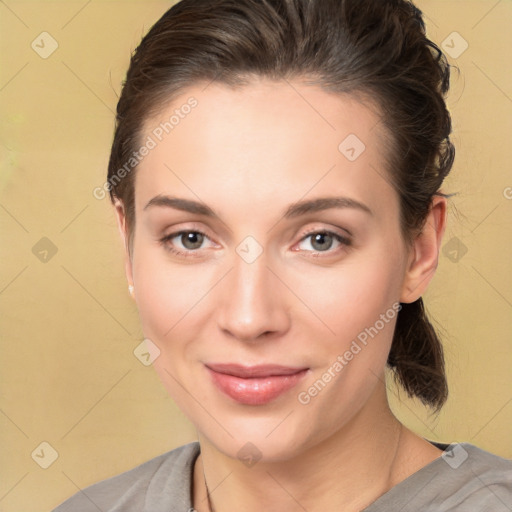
{"points": [[424, 256]]}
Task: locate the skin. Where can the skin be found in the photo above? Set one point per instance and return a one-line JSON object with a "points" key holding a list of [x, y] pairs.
{"points": [[249, 153]]}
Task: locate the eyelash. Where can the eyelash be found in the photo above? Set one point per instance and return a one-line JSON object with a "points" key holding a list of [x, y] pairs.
{"points": [[346, 242]]}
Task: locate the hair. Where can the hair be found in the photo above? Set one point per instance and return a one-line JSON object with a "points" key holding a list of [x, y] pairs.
{"points": [[374, 48]]}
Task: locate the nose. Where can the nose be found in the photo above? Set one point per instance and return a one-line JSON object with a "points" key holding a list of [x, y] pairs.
{"points": [[252, 302]]}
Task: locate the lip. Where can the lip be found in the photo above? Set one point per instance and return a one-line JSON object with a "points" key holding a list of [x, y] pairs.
{"points": [[255, 385]]}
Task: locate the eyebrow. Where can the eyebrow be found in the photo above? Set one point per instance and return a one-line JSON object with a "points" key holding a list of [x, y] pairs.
{"points": [[295, 210], [324, 203]]}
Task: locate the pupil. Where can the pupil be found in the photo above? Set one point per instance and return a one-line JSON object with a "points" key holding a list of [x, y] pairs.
{"points": [[320, 237], [192, 240]]}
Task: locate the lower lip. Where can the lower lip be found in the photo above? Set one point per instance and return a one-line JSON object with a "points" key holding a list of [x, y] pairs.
{"points": [[257, 390]]}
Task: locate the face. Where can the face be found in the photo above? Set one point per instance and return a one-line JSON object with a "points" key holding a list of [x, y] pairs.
{"points": [[273, 311]]}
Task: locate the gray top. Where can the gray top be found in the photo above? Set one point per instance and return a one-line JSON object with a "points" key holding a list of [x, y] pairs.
{"points": [[464, 479]]}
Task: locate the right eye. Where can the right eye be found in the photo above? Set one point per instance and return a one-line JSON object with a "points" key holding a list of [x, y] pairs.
{"points": [[184, 243]]}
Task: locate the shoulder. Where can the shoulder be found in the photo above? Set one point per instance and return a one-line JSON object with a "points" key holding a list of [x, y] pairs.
{"points": [[478, 479], [464, 478], [158, 484]]}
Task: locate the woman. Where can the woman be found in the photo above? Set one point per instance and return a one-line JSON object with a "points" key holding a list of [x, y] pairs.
{"points": [[276, 173]]}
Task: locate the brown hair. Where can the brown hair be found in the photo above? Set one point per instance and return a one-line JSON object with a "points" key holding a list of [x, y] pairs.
{"points": [[377, 48]]}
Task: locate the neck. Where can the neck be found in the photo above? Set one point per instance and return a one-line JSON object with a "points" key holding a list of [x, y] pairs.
{"points": [[347, 471]]}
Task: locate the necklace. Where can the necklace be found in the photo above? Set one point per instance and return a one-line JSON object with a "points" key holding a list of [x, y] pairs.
{"points": [[210, 507]]}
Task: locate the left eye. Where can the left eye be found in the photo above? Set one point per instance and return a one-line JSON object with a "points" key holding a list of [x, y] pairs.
{"points": [[323, 241]]}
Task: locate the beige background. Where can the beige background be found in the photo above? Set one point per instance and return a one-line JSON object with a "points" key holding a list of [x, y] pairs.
{"points": [[68, 327]]}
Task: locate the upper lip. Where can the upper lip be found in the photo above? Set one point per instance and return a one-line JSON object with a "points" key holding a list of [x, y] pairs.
{"points": [[245, 372]]}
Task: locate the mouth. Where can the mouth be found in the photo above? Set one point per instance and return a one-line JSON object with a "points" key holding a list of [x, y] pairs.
{"points": [[255, 385]]}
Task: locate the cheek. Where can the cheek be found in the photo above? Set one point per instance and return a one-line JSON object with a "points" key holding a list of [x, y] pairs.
{"points": [[171, 303], [360, 305], [352, 297], [169, 297]]}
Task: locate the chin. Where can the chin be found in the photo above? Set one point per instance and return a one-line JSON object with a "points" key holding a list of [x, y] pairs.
{"points": [[258, 440]]}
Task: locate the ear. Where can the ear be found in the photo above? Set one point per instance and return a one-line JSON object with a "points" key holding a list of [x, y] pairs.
{"points": [[123, 231], [424, 255]]}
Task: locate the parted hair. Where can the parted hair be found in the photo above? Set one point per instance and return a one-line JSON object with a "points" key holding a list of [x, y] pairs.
{"points": [[374, 48]]}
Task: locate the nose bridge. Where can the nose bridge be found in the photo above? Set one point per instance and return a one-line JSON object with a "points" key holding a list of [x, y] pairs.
{"points": [[252, 301]]}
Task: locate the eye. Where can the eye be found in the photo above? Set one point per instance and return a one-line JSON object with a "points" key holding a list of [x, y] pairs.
{"points": [[323, 241], [184, 243], [191, 239]]}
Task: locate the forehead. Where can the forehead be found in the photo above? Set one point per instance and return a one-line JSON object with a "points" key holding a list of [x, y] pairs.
{"points": [[279, 139]]}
